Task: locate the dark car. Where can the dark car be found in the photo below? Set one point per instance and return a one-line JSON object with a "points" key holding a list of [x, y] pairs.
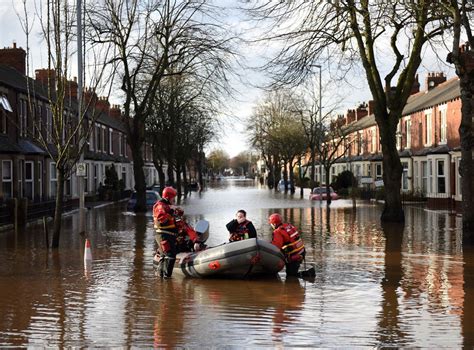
{"points": [[151, 198]]}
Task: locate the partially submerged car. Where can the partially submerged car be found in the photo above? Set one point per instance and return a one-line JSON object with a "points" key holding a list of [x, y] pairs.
{"points": [[320, 193], [151, 198]]}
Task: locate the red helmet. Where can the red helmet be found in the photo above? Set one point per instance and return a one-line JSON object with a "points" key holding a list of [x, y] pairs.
{"points": [[275, 220], [169, 193]]}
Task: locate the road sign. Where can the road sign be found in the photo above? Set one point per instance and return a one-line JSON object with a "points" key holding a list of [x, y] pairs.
{"points": [[81, 169]]}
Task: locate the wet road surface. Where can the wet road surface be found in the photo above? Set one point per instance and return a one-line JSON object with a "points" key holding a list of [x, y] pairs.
{"points": [[375, 286]]}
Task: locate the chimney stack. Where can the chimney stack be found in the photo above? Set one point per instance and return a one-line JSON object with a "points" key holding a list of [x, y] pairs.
{"points": [[416, 86], [14, 57], [434, 79], [115, 112]]}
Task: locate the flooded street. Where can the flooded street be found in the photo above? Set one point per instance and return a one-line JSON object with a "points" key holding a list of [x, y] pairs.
{"points": [[405, 286]]}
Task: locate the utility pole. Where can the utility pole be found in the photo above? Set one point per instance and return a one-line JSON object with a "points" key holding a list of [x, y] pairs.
{"points": [[79, 113], [320, 131]]}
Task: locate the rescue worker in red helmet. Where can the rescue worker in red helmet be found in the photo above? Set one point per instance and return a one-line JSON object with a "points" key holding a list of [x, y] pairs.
{"points": [[240, 228], [286, 237], [165, 222]]}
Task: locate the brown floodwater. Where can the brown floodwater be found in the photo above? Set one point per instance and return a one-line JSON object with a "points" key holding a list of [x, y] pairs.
{"points": [[406, 285]]}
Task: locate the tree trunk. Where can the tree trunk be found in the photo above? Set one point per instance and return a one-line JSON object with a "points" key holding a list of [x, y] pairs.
{"points": [[170, 174], [139, 174], [58, 210], [328, 192], [178, 187], [467, 143], [276, 173], [392, 171]]}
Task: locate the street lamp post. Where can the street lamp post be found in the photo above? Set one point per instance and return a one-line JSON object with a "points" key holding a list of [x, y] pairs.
{"points": [[79, 112]]}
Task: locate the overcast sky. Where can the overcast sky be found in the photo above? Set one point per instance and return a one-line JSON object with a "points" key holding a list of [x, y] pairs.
{"points": [[233, 139]]}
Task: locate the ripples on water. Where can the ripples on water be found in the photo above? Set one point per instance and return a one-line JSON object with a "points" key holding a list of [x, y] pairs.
{"points": [[375, 286]]}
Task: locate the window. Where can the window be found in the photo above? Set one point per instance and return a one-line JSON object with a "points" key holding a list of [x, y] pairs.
{"points": [[424, 177], [29, 178], [458, 177], [5, 104], [111, 150], [443, 126], [7, 179], [441, 176], [40, 180], [97, 138], [430, 176], [378, 171], [102, 139], [53, 180], [428, 129], [405, 176], [408, 133], [21, 167]]}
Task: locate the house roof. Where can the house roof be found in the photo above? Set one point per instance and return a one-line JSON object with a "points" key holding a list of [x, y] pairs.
{"points": [[14, 79], [443, 93]]}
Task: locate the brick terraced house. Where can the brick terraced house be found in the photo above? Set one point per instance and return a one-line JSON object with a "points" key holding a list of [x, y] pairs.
{"points": [[427, 140], [26, 171]]}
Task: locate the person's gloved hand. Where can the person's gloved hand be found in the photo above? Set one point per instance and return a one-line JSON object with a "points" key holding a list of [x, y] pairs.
{"points": [[197, 247], [179, 211]]}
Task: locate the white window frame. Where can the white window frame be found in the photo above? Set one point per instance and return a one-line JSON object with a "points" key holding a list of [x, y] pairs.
{"points": [[8, 178], [103, 130], [378, 174], [399, 136], [443, 127], [97, 137], [428, 128], [430, 175], [30, 181], [441, 176], [111, 149], [424, 176], [405, 176], [458, 178], [408, 133]]}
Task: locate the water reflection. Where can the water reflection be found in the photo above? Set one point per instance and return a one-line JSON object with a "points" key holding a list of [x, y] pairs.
{"points": [[394, 286]]}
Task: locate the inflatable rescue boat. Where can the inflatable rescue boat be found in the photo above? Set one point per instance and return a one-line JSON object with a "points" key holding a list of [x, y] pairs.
{"points": [[241, 259]]}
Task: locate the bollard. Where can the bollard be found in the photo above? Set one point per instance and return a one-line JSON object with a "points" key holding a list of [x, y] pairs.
{"points": [[87, 253]]}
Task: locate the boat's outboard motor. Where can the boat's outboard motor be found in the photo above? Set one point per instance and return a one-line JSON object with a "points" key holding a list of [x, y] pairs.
{"points": [[202, 229]]}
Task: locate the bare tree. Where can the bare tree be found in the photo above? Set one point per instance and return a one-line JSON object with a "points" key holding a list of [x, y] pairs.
{"points": [[150, 36], [277, 131], [345, 32], [463, 59], [64, 127]]}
